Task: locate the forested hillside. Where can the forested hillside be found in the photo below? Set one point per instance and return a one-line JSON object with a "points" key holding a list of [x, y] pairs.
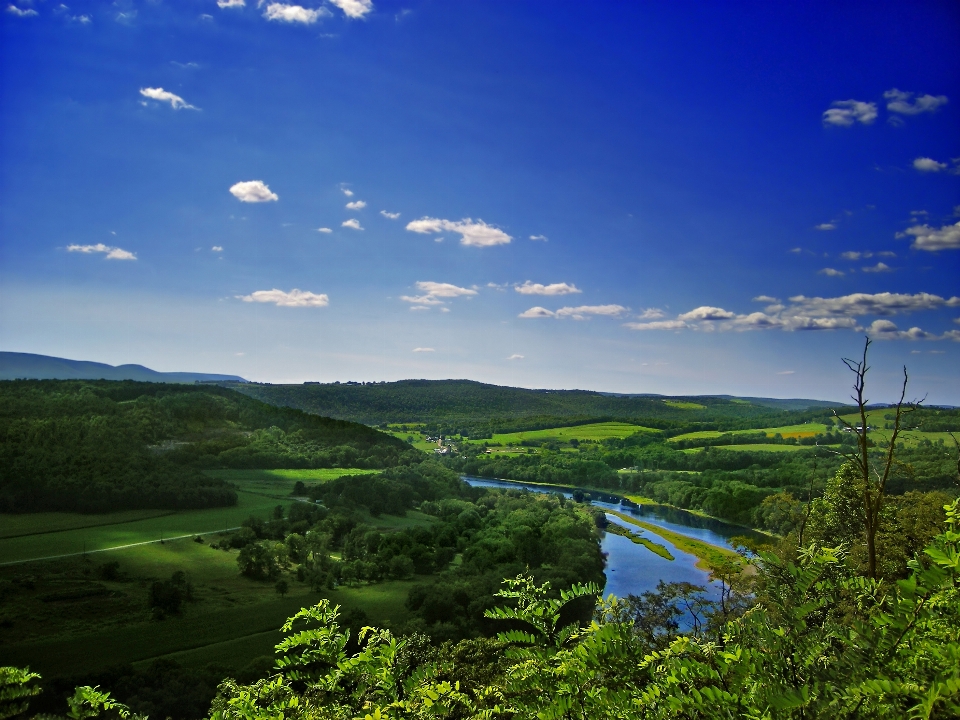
{"points": [[94, 446], [476, 409]]}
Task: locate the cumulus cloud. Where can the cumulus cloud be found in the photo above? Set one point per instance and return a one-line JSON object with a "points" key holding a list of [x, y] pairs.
{"points": [[900, 102], [112, 253], [434, 293], [294, 298], [880, 267], [542, 238], [324, 230], [356, 205], [706, 312], [356, 9], [845, 113], [831, 272], [840, 313], [515, 356], [216, 248], [766, 299], [21, 12], [536, 312], [346, 191], [932, 239], [530, 288], [651, 314], [581, 312], [161, 95], [657, 325], [826, 226], [477, 234], [231, 3], [424, 350], [352, 223], [883, 304], [293, 13], [389, 215], [253, 191], [925, 164]]}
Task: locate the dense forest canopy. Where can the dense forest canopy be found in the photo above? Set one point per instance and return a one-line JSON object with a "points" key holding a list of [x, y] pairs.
{"points": [[93, 446], [477, 409]]}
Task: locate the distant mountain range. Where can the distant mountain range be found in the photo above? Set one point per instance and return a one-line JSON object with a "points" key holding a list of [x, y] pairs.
{"points": [[14, 366]]}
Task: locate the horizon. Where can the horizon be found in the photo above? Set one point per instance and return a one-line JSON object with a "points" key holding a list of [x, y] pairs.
{"points": [[668, 200]]}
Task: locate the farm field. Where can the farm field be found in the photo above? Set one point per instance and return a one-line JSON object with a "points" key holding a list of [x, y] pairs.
{"points": [[125, 532], [281, 482], [581, 433], [797, 431], [114, 625], [757, 447]]}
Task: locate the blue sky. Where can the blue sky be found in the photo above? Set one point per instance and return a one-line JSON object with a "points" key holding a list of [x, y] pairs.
{"points": [[667, 197]]}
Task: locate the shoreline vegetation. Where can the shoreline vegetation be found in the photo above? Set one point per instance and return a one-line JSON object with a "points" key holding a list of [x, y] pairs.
{"points": [[653, 547]]}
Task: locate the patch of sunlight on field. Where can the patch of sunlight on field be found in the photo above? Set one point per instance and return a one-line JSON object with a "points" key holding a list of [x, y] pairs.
{"points": [[684, 405], [787, 431], [183, 522], [281, 482], [580, 433]]}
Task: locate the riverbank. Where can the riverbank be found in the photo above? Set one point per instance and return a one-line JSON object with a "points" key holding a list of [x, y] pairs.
{"points": [[710, 557], [639, 540]]}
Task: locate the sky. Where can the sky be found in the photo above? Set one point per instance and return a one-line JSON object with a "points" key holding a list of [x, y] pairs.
{"points": [[660, 197]]}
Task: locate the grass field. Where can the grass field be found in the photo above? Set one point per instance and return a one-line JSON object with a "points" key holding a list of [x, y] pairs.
{"points": [[594, 431], [758, 447], [281, 482], [796, 431], [230, 612], [638, 539], [40, 523], [684, 405]]}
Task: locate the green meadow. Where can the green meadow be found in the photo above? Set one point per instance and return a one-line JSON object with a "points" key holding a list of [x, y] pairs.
{"points": [[580, 433], [229, 613], [797, 431]]}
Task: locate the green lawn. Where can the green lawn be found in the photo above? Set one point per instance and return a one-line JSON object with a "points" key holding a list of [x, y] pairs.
{"points": [[39, 523], [594, 431]]}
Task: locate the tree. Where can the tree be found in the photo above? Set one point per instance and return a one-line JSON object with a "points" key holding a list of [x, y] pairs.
{"points": [[282, 587], [872, 469]]}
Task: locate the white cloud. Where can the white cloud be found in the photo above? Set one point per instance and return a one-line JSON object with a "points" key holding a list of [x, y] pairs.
{"points": [[651, 314], [354, 8], [542, 238], [886, 253], [352, 223], [434, 293], [582, 311], [706, 312], [161, 95], [830, 272], [796, 250], [82, 19], [846, 112], [899, 102], [536, 312], [293, 13], [657, 325], [112, 253], [886, 330], [883, 304], [766, 299], [356, 205], [786, 372], [424, 350], [346, 191], [826, 226], [216, 248], [925, 164], [855, 255], [253, 191], [20, 12], [477, 234], [530, 288], [294, 298], [515, 356], [880, 267], [928, 238], [230, 3], [389, 215], [419, 307], [324, 230]]}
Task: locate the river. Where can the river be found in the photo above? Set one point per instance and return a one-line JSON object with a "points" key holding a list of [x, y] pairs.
{"points": [[631, 568]]}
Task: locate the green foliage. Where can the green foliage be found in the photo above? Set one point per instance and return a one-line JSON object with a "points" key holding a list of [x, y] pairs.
{"points": [[99, 446], [16, 688]]}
